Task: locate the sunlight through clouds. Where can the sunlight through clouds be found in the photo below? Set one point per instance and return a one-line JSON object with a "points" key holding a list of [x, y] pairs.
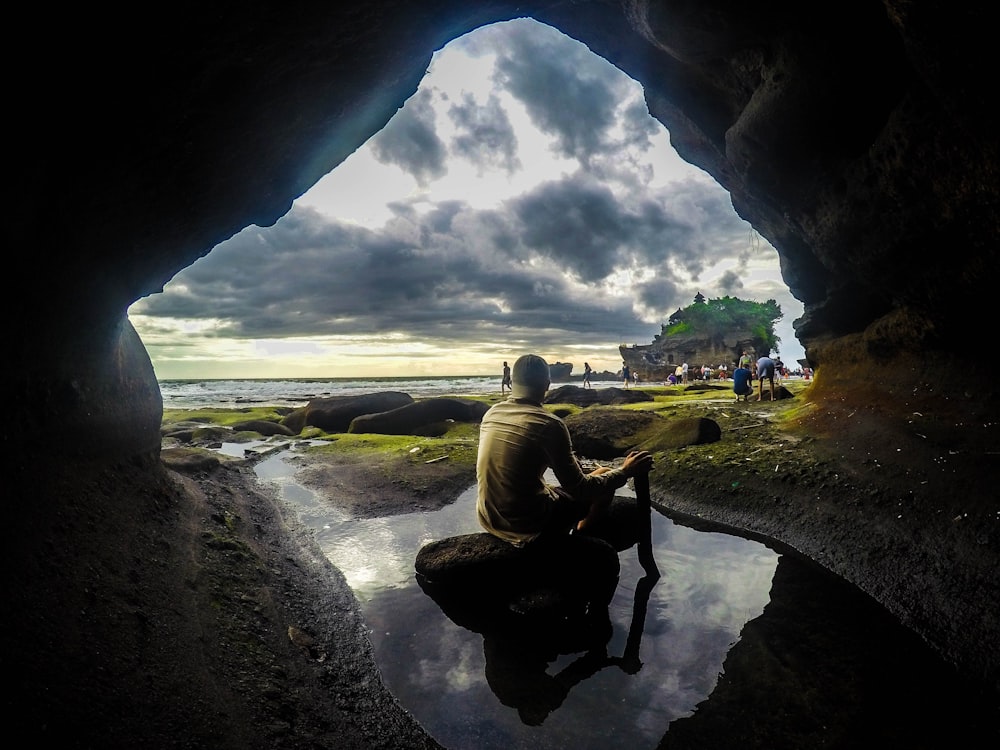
{"points": [[522, 199]]}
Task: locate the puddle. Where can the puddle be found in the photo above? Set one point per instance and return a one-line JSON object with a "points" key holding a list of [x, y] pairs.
{"points": [[732, 639]]}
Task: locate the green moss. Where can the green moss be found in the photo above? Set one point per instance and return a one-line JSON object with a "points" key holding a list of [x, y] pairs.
{"points": [[224, 417], [459, 443]]}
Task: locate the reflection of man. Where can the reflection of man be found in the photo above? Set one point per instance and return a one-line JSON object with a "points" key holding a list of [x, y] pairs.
{"points": [[517, 667], [518, 441], [516, 672]]}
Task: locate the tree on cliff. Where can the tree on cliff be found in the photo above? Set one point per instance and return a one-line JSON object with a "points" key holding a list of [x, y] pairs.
{"points": [[719, 318]]}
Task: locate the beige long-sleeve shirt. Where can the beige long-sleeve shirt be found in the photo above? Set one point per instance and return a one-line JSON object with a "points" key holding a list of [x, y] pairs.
{"points": [[518, 442]]}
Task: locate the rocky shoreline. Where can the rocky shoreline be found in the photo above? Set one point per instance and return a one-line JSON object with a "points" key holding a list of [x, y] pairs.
{"points": [[207, 616]]}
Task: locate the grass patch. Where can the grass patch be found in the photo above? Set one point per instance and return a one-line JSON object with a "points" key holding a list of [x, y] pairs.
{"points": [[224, 417], [459, 444]]}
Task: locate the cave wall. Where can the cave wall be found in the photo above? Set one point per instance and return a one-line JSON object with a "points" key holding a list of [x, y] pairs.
{"points": [[856, 137], [858, 140]]}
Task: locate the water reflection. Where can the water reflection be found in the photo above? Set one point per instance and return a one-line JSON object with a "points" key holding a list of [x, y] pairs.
{"points": [[732, 646], [517, 665], [469, 690]]}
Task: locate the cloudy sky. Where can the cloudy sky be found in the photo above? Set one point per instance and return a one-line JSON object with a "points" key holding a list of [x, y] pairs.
{"points": [[523, 200]]}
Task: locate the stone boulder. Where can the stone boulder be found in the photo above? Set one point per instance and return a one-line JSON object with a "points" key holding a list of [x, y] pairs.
{"points": [[480, 580], [605, 434], [681, 433], [189, 460], [335, 414], [574, 394], [557, 591], [560, 372], [263, 427], [780, 392], [420, 417]]}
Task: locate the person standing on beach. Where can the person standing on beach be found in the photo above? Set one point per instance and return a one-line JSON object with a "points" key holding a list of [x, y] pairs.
{"points": [[779, 369], [518, 441], [586, 375], [505, 382], [626, 374]]}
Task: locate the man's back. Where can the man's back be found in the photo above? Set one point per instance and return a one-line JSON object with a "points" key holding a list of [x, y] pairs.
{"points": [[741, 381], [516, 443]]}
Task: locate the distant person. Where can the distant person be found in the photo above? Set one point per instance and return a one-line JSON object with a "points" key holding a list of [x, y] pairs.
{"points": [[765, 369], [684, 372], [518, 441], [741, 383], [626, 374], [672, 379], [678, 374], [586, 375], [635, 378], [723, 372], [505, 382], [779, 369]]}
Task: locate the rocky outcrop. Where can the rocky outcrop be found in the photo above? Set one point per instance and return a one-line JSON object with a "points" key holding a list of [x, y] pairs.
{"points": [[336, 413], [655, 361], [680, 433], [427, 416], [574, 394], [479, 578], [605, 434], [560, 372], [264, 427]]}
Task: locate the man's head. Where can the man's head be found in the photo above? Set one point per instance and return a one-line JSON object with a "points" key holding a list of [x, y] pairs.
{"points": [[530, 378]]}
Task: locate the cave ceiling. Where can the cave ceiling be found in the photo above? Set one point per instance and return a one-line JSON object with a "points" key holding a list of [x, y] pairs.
{"points": [[854, 143]]}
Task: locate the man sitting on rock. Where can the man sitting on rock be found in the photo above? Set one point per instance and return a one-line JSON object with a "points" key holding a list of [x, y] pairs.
{"points": [[518, 442]]}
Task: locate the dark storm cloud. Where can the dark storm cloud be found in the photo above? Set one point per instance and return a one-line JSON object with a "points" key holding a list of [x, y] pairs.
{"points": [[434, 276], [730, 283], [532, 269], [410, 140], [569, 92], [592, 232], [657, 294], [576, 223], [640, 127], [706, 209], [486, 136]]}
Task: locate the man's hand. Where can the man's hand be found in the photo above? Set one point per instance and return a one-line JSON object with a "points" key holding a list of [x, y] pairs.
{"points": [[637, 462]]}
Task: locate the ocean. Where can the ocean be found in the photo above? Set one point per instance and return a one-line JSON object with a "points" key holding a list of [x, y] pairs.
{"points": [[233, 394]]}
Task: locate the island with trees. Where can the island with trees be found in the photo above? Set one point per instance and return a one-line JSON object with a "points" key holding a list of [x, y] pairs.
{"points": [[709, 332]]}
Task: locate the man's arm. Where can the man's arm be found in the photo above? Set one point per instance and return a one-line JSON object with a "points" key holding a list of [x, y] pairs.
{"points": [[566, 466]]}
